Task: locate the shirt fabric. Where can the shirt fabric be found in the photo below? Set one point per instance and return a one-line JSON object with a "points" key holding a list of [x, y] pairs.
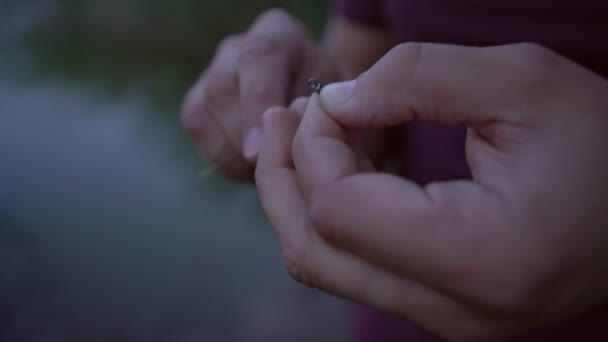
{"points": [[576, 29]]}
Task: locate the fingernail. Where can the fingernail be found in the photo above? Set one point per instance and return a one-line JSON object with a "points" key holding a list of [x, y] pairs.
{"points": [[252, 143], [336, 94]]}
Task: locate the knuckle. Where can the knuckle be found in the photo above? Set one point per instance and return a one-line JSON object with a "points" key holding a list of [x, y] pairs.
{"points": [[219, 83], [533, 52], [274, 113], [410, 55], [280, 23], [276, 15], [293, 258], [231, 42], [535, 63], [264, 94], [410, 51], [256, 48], [382, 78], [294, 270]]}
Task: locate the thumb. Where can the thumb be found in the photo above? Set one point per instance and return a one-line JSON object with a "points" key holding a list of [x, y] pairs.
{"points": [[441, 83]]}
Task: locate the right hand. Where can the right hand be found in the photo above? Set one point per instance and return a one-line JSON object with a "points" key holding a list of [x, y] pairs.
{"points": [[251, 72], [522, 245]]}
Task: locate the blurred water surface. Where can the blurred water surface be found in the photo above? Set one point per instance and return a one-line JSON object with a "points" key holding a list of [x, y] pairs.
{"points": [[107, 232]]}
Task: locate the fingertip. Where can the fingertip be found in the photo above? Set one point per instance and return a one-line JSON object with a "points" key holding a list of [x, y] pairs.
{"points": [[313, 105], [299, 105], [279, 125], [335, 96], [313, 102], [316, 122], [255, 135], [269, 117]]}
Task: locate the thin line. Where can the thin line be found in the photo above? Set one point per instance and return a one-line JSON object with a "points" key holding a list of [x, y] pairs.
{"points": [[209, 170]]}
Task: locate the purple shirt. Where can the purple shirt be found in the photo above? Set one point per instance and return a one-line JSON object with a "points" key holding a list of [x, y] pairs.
{"points": [[576, 29]]}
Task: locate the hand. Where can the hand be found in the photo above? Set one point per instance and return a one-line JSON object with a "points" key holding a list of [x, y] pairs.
{"points": [[268, 65], [520, 245]]}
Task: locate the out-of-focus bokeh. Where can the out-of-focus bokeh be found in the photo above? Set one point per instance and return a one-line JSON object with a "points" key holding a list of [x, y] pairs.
{"points": [[107, 232]]}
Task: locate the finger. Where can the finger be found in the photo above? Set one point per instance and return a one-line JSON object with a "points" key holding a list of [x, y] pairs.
{"points": [[211, 139], [356, 140], [228, 51], [440, 83], [279, 127], [266, 66], [343, 274], [277, 184], [221, 89], [386, 218], [320, 151], [201, 128], [299, 105], [427, 308], [450, 236], [206, 113], [312, 261]]}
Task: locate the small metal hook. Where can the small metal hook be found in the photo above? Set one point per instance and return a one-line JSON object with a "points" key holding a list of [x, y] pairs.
{"points": [[315, 85]]}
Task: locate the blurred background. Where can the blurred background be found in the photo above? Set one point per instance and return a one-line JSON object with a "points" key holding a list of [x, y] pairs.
{"points": [[107, 232]]}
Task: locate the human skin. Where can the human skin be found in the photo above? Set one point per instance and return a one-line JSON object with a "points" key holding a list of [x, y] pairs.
{"points": [[268, 66], [520, 245]]}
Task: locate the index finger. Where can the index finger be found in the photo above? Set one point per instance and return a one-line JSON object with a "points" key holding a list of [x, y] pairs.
{"points": [[320, 150]]}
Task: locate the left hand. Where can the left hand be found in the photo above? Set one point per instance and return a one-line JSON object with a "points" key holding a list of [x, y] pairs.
{"points": [[520, 245]]}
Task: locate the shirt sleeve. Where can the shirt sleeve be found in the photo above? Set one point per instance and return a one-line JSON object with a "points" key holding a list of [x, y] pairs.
{"points": [[365, 12]]}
